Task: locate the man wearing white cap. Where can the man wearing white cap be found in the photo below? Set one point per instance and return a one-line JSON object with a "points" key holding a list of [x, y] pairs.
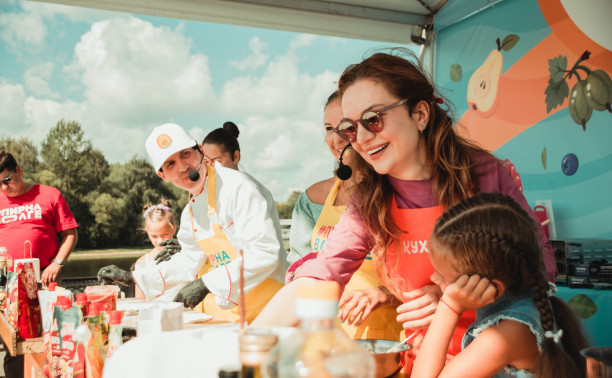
{"points": [[227, 211]]}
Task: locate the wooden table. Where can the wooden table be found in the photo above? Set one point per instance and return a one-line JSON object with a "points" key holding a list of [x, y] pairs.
{"points": [[14, 345], [32, 349]]}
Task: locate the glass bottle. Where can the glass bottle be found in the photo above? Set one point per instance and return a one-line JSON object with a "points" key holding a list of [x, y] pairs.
{"points": [[254, 348], [320, 348], [3, 280], [114, 333], [3, 277], [9, 259]]}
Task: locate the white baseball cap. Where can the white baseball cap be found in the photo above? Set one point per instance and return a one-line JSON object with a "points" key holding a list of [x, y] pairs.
{"points": [[166, 140]]}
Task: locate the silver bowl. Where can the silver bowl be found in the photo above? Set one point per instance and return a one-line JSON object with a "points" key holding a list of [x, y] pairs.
{"points": [[598, 362], [387, 364]]}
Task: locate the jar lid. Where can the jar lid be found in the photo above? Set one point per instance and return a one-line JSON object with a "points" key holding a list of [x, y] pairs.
{"points": [[257, 342]]}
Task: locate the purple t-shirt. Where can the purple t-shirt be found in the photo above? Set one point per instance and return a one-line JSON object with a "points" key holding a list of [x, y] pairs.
{"points": [[349, 243]]}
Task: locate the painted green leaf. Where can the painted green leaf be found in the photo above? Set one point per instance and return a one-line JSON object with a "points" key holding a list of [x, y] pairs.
{"points": [[583, 305], [455, 72], [509, 41], [544, 158], [556, 68], [555, 92]]}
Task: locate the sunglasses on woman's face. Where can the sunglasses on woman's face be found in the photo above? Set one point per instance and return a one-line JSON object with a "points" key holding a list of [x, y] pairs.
{"points": [[372, 120]]}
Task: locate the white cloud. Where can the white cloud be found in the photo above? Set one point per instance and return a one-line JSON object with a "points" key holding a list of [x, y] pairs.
{"points": [[258, 57], [302, 40], [22, 30], [35, 79], [12, 98], [135, 72], [131, 76]]}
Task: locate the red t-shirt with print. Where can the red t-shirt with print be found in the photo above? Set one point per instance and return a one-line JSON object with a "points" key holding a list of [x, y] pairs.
{"points": [[37, 215]]}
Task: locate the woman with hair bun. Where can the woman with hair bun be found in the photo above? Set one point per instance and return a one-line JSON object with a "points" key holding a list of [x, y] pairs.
{"points": [[222, 145]]}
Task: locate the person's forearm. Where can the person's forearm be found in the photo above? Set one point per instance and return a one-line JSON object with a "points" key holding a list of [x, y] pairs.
{"points": [[431, 357], [280, 311], [69, 240]]}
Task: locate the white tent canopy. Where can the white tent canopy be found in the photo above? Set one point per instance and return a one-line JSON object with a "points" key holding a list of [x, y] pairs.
{"points": [[396, 21]]}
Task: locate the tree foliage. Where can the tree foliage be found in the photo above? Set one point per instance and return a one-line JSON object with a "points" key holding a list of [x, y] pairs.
{"points": [[107, 200], [285, 209], [24, 151]]}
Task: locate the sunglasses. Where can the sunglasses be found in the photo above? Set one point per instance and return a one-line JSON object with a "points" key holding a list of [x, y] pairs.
{"points": [[372, 120], [7, 179]]}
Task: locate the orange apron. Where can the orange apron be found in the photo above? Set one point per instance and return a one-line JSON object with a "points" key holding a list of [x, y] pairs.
{"points": [[219, 252], [382, 323], [409, 266]]}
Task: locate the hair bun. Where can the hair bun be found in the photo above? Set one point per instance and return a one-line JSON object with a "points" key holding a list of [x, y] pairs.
{"points": [[231, 127]]}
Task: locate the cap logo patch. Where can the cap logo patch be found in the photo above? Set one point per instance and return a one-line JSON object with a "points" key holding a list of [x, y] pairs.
{"points": [[164, 140]]}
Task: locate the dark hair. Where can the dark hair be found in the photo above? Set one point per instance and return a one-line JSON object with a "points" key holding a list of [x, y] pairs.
{"points": [[492, 236], [447, 154], [7, 161], [332, 97], [226, 137]]}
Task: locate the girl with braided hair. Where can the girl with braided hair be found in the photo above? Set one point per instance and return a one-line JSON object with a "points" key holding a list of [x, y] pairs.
{"points": [[486, 256], [160, 226]]}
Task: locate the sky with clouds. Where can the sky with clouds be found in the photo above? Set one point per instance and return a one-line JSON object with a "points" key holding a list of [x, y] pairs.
{"points": [[120, 75]]}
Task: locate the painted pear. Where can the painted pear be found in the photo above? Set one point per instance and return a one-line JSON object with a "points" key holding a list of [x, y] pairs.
{"points": [[484, 83]]}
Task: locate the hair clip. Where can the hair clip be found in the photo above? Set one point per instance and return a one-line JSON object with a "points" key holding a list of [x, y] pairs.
{"points": [[438, 100], [552, 288], [555, 336], [156, 207]]}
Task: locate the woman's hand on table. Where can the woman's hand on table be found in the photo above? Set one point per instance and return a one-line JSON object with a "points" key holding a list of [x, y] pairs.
{"points": [[357, 305], [419, 307]]}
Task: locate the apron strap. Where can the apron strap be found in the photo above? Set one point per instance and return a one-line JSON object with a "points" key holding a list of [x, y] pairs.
{"points": [[333, 193]]}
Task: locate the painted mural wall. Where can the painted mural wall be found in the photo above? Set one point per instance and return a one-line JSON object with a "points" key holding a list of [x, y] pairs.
{"points": [[530, 81]]}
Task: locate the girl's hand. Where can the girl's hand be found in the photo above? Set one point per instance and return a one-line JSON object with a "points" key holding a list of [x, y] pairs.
{"points": [[419, 308], [469, 293], [357, 305]]}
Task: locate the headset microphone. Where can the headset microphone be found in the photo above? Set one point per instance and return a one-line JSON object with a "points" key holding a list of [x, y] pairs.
{"points": [[194, 175], [344, 172]]}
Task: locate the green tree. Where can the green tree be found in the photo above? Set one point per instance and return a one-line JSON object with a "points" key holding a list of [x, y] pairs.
{"points": [[285, 210], [136, 183], [72, 159], [25, 153], [109, 213], [72, 165]]}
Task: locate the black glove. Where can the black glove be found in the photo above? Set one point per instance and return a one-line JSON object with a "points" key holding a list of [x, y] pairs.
{"points": [[113, 273], [172, 247], [192, 293]]}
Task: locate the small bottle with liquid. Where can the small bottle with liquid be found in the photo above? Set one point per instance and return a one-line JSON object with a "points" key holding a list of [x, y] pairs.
{"points": [[114, 333], [9, 259], [319, 348], [254, 348], [3, 280]]}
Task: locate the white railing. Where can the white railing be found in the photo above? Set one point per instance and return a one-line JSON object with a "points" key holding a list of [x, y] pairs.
{"points": [[285, 229]]}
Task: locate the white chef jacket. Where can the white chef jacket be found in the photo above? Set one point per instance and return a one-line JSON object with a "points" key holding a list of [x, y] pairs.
{"points": [[248, 217]]}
